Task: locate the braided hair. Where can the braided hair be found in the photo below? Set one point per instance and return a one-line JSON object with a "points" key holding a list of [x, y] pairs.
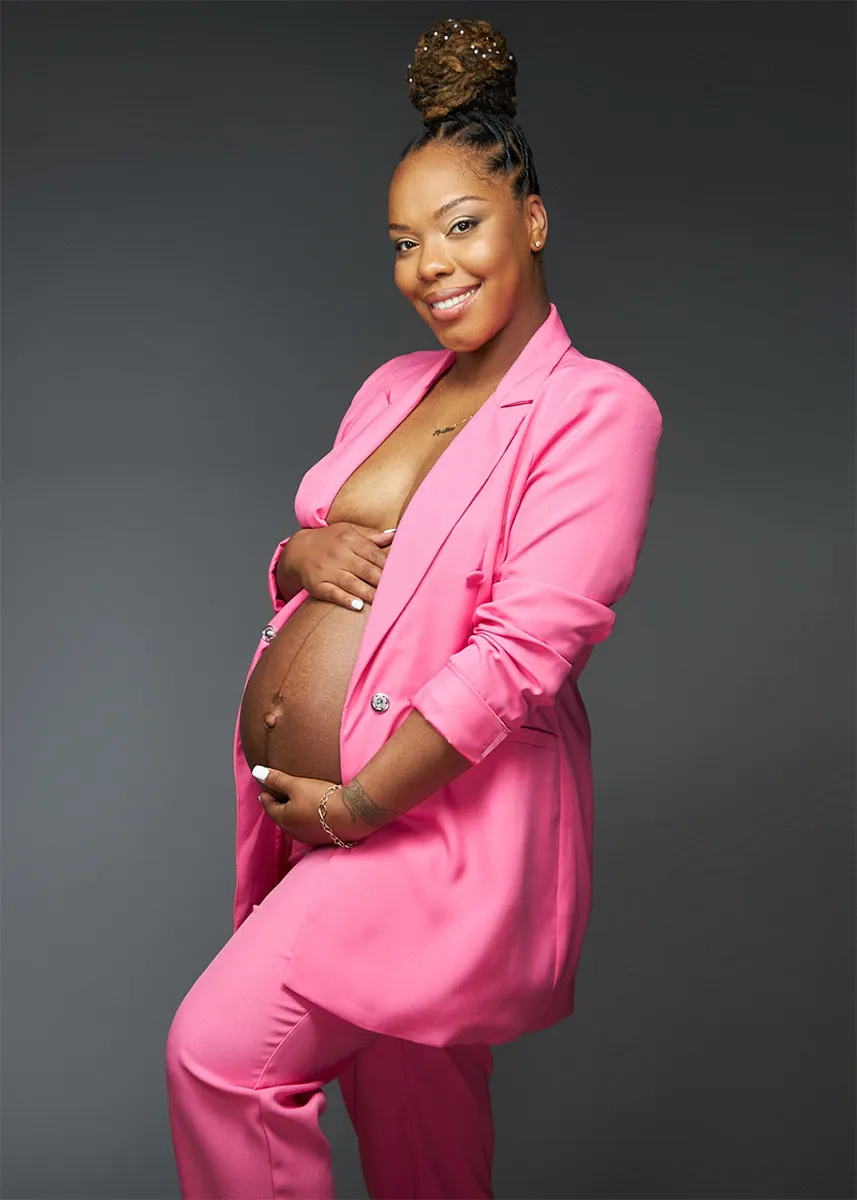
{"points": [[462, 83]]}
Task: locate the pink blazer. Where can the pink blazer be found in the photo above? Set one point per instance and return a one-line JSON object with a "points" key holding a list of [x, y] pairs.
{"points": [[463, 920]]}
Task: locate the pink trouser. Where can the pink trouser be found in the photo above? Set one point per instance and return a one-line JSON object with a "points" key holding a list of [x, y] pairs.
{"points": [[247, 1061]]}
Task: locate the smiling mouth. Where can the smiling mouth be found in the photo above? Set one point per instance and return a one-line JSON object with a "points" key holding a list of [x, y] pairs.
{"points": [[454, 302]]}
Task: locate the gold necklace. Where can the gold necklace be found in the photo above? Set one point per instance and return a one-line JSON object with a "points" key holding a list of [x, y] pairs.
{"points": [[446, 428]]}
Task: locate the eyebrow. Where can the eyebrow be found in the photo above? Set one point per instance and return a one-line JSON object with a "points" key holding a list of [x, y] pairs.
{"points": [[444, 208]]}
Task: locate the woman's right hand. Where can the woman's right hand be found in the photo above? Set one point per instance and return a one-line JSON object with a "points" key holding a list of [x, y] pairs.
{"points": [[341, 562]]}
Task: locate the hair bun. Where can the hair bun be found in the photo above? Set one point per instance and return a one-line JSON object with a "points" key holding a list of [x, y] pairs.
{"points": [[462, 65]]}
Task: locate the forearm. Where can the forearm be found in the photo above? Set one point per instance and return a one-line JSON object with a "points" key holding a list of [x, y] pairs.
{"points": [[288, 583], [411, 764]]}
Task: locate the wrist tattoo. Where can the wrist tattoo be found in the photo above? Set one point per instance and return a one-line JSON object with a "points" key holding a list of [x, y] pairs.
{"points": [[363, 808]]}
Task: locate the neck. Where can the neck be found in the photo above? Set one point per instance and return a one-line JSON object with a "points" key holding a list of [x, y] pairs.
{"points": [[486, 366]]}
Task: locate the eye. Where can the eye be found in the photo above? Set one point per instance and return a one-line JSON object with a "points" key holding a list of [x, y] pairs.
{"points": [[403, 244], [469, 221]]}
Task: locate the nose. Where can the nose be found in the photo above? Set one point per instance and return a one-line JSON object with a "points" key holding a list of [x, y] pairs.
{"points": [[433, 262]]}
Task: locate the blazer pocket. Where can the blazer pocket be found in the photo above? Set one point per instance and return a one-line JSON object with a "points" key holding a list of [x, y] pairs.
{"points": [[533, 737]]}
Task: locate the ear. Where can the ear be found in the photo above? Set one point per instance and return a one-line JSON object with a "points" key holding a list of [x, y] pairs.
{"points": [[537, 221]]}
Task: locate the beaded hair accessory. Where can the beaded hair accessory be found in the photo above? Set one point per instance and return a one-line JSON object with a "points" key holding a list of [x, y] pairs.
{"points": [[443, 81], [455, 30]]}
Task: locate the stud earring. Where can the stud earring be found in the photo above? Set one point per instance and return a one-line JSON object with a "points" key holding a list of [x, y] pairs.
{"points": [[537, 245]]}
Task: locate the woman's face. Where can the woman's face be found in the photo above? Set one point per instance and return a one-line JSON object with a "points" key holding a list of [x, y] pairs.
{"points": [[453, 232]]}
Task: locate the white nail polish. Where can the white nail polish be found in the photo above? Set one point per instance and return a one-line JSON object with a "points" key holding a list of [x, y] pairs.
{"points": [[261, 773], [356, 603], [393, 530]]}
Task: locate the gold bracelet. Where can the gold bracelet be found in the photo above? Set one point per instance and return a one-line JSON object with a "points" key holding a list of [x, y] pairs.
{"points": [[322, 811]]}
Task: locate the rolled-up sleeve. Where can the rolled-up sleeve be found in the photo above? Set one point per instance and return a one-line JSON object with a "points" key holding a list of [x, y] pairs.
{"points": [[571, 551], [277, 600]]}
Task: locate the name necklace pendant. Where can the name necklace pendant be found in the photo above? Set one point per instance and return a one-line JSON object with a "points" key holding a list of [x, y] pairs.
{"points": [[446, 428]]}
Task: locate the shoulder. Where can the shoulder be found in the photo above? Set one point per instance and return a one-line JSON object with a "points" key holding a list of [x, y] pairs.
{"points": [[377, 386], [591, 391], [415, 362], [383, 379]]}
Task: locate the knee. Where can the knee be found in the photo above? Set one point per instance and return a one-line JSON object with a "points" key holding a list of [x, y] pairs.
{"points": [[209, 1042]]}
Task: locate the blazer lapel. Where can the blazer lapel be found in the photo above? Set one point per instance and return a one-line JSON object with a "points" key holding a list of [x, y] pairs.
{"points": [[376, 426], [453, 481]]}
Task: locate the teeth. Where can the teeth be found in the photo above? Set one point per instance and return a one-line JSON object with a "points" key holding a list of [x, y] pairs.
{"points": [[454, 301]]}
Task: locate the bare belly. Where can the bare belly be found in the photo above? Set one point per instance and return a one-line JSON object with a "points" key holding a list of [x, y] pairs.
{"points": [[293, 702]]}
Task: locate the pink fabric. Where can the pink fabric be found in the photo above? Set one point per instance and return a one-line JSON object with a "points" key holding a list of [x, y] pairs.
{"points": [[463, 920], [247, 1061]]}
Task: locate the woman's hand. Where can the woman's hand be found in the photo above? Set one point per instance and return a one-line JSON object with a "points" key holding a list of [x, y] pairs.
{"points": [[341, 562], [292, 802]]}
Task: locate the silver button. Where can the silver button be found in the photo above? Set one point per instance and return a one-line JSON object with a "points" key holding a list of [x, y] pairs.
{"points": [[380, 702], [269, 633]]}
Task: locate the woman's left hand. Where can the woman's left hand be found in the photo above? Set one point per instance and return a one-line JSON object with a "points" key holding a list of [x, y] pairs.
{"points": [[292, 801]]}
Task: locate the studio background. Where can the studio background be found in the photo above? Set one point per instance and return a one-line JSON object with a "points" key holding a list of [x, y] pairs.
{"points": [[196, 279]]}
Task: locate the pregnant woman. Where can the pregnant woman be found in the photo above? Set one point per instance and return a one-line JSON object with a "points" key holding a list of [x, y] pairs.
{"points": [[412, 752]]}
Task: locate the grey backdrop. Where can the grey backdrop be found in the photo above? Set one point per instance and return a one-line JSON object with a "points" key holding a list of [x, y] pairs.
{"points": [[196, 279]]}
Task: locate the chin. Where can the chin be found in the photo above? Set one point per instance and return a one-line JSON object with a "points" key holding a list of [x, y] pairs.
{"points": [[459, 344], [464, 340], [462, 337]]}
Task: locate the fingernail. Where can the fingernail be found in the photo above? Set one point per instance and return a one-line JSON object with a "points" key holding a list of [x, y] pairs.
{"points": [[261, 798], [261, 773], [356, 603], [393, 530]]}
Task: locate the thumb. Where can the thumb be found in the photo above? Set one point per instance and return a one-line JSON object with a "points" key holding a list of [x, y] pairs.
{"points": [[274, 781]]}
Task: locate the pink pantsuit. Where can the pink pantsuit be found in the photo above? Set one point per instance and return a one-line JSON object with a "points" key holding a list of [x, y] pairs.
{"points": [[460, 924]]}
